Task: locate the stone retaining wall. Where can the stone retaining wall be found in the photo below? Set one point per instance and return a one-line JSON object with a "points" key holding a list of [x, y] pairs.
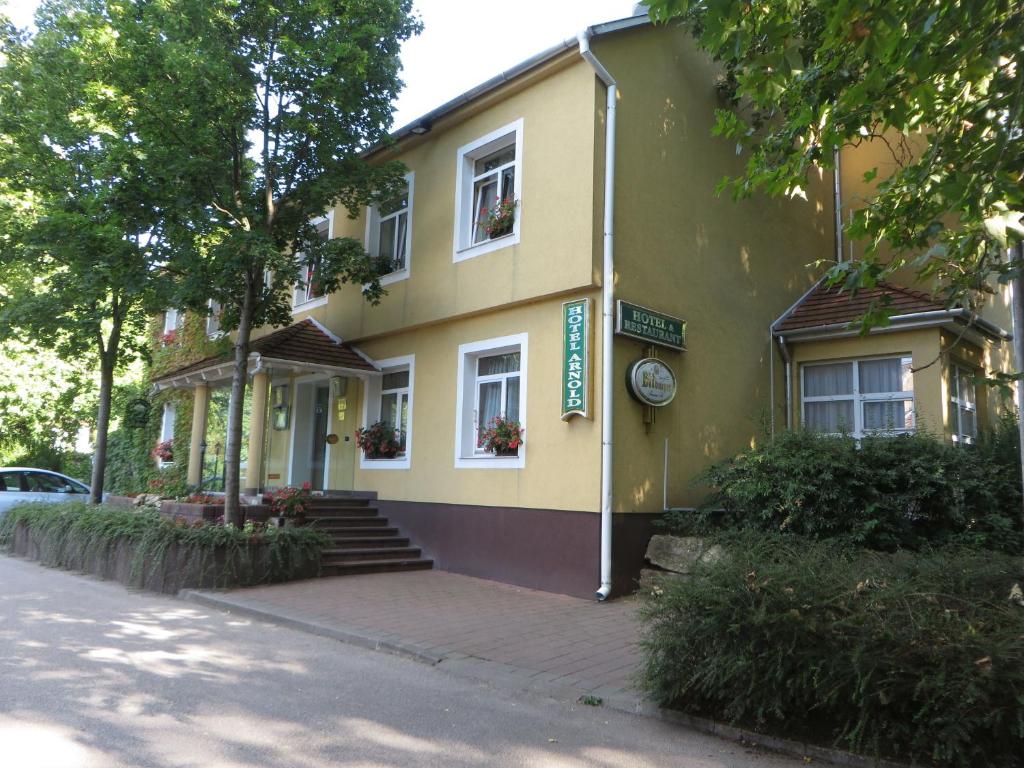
{"points": [[180, 567]]}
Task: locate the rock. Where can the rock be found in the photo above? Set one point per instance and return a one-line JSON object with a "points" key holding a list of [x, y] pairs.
{"points": [[652, 580], [681, 554]]}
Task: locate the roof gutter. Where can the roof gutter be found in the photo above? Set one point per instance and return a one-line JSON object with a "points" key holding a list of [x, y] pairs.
{"points": [[426, 121], [607, 308], [902, 322]]}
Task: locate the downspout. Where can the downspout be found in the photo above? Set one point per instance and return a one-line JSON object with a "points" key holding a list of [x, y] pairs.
{"points": [[837, 201], [788, 360], [607, 327]]}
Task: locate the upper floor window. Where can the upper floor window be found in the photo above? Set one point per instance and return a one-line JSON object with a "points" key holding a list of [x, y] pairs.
{"points": [[213, 320], [389, 231], [859, 397], [963, 405], [174, 319], [308, 289], [488, 189]]}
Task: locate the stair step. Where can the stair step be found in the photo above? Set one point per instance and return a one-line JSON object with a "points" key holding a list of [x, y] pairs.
{"points": [[329, 513], [376, 566], [334, 556], [338, 523], [338, 502], [362, 542], [368, 531]]}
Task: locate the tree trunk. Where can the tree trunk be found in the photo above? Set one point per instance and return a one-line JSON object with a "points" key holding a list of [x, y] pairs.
{"points": [[99, 457], [1017, 308], [233, 449]]}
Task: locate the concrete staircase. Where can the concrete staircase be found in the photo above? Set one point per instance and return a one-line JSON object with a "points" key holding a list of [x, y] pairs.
{"points": [[363, 540]]}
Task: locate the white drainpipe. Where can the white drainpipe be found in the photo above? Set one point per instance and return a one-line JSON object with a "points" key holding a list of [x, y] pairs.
{"points": [[607, 327]]}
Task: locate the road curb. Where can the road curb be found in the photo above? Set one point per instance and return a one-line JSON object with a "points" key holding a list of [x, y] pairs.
{"points": [[620, 703], [212, 600]]}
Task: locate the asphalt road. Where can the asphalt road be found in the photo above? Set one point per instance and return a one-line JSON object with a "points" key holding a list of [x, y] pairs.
{"points": [[94, 675]]}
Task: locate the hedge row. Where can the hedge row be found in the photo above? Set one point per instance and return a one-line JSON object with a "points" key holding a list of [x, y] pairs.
{"points": [[160, 553], [908, 655], [882, 493]]}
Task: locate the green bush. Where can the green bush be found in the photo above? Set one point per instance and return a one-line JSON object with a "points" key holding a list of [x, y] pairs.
{"points": [[912, 655], [884, 493], [217, 555]]}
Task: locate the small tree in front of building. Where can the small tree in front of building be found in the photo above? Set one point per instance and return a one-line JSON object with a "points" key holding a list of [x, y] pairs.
{"points": [[266, 109], [81, 202]]}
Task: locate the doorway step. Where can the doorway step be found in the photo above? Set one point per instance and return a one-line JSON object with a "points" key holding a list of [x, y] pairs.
{"points": [[363, 540]]}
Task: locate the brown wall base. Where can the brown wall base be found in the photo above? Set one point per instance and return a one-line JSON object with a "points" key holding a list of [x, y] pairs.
{"points": [[547, 549]]}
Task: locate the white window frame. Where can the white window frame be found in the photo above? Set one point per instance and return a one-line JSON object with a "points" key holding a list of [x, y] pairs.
{"points": [[172, 320], [857, 428], [466, 454], [959, 437], [509, 135], [215, 310], [371, 410], [167, 419], [305, 302], [373, 222]]}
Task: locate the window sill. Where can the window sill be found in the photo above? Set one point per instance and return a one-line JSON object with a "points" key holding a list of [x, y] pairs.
{"points": [[491, 462], [319, 301], [392, 277], [401, 462], [472, 251]]}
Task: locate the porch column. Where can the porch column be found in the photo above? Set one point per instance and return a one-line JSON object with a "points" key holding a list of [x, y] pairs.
{"points": [[257, 434], [200, 398]]}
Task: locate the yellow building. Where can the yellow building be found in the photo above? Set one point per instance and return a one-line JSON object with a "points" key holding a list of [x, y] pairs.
{"points": [[493, 311]]}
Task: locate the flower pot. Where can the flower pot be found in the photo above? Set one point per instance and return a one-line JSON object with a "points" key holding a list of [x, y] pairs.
{"points": [[500, 230], [506, 451], [295, 522]]}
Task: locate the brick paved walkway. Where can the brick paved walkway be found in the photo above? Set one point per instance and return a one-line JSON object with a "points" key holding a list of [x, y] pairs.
{"points": [[506, 635]]}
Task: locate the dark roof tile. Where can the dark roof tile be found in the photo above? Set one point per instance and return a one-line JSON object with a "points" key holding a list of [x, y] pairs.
{"points": [[832, 306]]}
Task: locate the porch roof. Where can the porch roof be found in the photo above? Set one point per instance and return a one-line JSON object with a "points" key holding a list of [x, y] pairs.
{"points": [[304, 346], [826, 311]]}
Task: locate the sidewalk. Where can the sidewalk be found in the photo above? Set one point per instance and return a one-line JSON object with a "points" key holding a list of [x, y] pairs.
{"points": [[510, 636]]}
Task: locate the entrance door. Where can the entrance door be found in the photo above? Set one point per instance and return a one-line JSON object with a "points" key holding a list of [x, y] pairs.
{"points": [[321, 421]]}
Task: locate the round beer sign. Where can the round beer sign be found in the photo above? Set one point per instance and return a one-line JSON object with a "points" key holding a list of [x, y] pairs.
{"points": [[651, 382]]}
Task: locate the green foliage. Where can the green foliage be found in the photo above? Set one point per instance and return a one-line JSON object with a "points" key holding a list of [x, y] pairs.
{"points": [[939, 83], [208, 554], [886, 493], [913, 655], [44, 400]]}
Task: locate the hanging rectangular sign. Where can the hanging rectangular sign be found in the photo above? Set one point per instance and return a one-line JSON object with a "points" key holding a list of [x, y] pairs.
{"points": [[647, 325], [575, 358]]}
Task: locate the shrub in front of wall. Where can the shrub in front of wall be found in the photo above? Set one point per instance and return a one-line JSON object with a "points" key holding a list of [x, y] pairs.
{"points": [[884, 493], [162, 554], [907, 655]]}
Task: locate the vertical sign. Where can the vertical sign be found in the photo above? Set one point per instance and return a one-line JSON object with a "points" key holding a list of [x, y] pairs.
{"points": [[575, 358]]}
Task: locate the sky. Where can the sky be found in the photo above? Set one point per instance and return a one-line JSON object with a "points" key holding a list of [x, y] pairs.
{"points": [[465, 43]]}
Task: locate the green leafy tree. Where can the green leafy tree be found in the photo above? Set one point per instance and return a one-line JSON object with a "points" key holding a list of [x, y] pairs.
{"points": [[44, 400], [81, 242], [268, 108], [808, 76]]}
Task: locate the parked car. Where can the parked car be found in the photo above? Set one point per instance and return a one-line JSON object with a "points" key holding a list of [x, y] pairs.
{"points": [[19, 484]]}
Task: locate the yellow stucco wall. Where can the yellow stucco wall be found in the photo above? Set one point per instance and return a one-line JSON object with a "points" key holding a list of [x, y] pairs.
{"points": [[555, 252], [729, 269], [562, 460]]}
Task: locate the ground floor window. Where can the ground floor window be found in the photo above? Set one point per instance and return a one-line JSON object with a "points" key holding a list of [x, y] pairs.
{"points": [[492, 384], [963, 405], [859, 397], [164, 452], [389, 400]]}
